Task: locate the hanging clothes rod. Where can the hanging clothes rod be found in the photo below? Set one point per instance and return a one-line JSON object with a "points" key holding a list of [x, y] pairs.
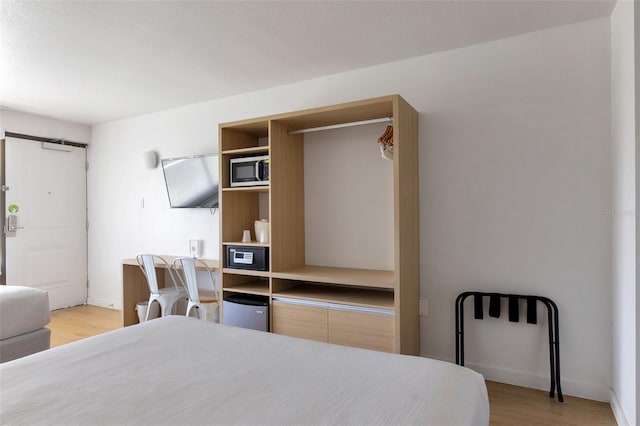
{"points": [[339, 126]]}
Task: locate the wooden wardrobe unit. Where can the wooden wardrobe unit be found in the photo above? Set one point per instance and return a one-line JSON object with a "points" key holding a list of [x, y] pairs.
{"points": [[372, 308]]}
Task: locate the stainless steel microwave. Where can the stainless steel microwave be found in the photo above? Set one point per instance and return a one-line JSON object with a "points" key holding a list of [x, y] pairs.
{"points": [[249, 171]]}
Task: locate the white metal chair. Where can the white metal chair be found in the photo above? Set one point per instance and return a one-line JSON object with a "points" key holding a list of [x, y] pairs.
{"points": [[198, 300], [166, 297]]}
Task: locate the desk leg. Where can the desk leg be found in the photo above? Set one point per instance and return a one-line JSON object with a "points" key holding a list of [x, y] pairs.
{"points": [[134, 290]]}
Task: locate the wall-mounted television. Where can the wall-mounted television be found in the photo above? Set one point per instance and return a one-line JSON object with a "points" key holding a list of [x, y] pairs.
{"points": [[192, 182]]}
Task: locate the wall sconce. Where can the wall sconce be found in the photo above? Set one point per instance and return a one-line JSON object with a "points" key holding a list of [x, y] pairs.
{"points": [[150, 159]]}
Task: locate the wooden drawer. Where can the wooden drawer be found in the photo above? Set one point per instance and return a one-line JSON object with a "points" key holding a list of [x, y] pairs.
{"points": [[334, 323], [299, 320], [362, 329]]}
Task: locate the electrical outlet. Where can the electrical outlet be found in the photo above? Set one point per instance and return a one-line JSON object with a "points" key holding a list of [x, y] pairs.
{"points": [[424, 307], [195, 248]]}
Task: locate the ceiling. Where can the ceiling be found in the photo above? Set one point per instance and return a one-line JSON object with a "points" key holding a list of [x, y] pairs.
{"points": [[97, 61]]}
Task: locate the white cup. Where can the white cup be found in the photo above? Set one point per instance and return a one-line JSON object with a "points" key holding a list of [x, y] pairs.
{"points": [[246, 236], [262, 230]]}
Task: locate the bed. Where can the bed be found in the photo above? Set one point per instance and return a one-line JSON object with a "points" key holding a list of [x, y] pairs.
{"points": [[178, 370], [24, 313]]}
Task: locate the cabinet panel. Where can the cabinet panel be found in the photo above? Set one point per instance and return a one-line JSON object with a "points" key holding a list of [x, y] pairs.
{"points": [[287, 198], [361, 329], [407, 228], [308, 322]]}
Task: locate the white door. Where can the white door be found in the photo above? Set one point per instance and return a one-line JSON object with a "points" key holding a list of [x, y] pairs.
{"points": [[46, 243]]}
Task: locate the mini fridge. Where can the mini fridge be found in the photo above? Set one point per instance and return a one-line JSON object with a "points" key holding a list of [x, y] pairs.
{"points": [[246, 311]]}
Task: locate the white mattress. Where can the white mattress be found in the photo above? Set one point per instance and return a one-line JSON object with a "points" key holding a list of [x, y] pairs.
{"points": [[22, 310], [183, 371]]}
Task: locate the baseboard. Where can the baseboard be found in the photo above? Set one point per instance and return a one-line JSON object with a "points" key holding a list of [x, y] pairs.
{"points": [[105, 303], [618, 412], [569, 387], [533, 381]]}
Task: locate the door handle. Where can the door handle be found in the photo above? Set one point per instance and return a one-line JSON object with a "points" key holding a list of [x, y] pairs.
{"points": [[258, 170], [12, 223]]}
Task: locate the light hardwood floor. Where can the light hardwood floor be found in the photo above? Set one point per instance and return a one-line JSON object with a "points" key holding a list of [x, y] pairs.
{"points": [[69, 325], [510, 405]]}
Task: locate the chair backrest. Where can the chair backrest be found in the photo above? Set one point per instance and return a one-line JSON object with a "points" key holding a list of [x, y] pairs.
{"points": [[147, 263], [148, 266], [188, 266], [190, 282]]}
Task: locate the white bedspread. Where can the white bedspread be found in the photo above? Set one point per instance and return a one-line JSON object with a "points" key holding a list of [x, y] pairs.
{"points": [[181, 371], [22, 310]]}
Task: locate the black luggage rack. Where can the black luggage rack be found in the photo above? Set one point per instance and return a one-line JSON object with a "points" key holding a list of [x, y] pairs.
{"points": [[494, 311]]}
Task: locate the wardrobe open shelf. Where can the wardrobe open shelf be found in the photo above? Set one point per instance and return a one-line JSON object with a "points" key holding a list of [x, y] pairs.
{"points": [[247, 151], [339, 295], [240, 243], [260, 287], [346, 276], [247, 189], [246, 272]]}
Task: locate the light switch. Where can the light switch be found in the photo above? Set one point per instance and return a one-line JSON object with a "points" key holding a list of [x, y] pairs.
{"points": [[424, 307], [195, 248]]}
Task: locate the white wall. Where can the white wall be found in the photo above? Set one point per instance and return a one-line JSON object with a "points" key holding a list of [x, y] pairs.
{"points": [[350, 182], [623, 214], [37, 125], [636, 31], [514, 188], [128, 206]]}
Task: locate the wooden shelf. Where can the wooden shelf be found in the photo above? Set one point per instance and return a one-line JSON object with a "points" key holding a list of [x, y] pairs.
{"points": [[345, 276], [342, 295], [252, 287], [246, 272], [252, 150], [240, 243], [258, 127], [259, 188]]}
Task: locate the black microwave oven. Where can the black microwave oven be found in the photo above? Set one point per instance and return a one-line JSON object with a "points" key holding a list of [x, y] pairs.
{"points": [[249, 171]]}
